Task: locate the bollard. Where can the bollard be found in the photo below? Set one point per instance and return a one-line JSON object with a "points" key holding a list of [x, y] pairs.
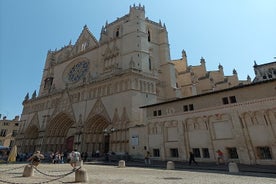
{"points": [[170, 165], [81, 175], [233, 167], [122, 163], [28, 171]]}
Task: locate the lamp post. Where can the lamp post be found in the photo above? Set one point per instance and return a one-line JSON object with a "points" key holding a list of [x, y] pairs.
{"points": [[107, 133]]}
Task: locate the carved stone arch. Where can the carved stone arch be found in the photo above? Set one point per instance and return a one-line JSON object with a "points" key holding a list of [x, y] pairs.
{"points": [[247, 119], [59, 135], [95, 136], [59, 125], [259, 118], [190, 124], [201, 123], [271, 115]]}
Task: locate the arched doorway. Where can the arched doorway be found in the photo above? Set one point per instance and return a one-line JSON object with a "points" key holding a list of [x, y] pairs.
{"points": [[56, 135], [95, 138], [30, 144]]}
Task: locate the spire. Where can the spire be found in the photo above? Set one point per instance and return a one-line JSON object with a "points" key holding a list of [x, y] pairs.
{"points": [[34, 95], [248, 78], [202, 60], [234, 72], [255, 63], [184, 55], [27, 97]]}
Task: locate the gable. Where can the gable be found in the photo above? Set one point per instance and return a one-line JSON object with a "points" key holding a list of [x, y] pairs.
{"points": [[85, 41]]}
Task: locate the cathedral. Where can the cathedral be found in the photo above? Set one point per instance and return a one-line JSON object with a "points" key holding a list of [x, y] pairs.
{"points": [[107, 95]]}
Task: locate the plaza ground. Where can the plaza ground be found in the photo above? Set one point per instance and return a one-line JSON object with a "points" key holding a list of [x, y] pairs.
{"points": [[138, 173]]}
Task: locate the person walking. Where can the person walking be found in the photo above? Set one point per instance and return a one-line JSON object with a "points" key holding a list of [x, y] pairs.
{"points": [[220, 157], [74, 157], [147, 158], [192, 158]]}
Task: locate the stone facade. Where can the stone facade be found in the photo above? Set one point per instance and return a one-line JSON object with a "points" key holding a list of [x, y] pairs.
{"points": [[8, 131], [240, 121], [92, 87], [265, 71], [91, 93], [195, 80]]}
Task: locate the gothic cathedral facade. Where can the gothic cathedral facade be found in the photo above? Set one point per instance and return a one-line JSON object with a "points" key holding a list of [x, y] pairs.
{"points": [[91, 91]]}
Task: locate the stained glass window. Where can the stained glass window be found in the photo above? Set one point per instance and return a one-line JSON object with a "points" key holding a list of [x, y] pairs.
{"points": [[78, 71]]}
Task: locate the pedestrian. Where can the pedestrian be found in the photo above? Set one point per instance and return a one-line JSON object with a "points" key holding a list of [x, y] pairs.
{"points": [[220, 157], [36, 158], [192, 158], [74, 157], [147, 158]]}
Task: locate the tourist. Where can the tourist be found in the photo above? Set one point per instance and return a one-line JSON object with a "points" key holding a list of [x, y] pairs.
{"points": [[220, 157], [147, 158], [36, 158], [192, 158], [74, 157]]}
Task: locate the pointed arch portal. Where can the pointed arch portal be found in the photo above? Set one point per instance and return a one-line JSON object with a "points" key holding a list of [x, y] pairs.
{"points": [[94, 136], [56, 135], [31, 135]]}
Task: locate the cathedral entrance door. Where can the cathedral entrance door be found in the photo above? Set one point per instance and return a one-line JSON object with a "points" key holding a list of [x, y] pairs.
{"points": [[106, 143], [69, 143]]}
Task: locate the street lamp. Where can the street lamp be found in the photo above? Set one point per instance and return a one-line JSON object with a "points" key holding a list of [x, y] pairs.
{"points": [[107, 133]]}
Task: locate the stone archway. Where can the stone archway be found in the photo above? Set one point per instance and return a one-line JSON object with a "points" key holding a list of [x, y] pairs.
{"points": [[94, 137], [56, 135], [30, 143]]}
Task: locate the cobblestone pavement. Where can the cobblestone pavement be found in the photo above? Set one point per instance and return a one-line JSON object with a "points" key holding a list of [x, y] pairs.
{"points": [[108, 174]]}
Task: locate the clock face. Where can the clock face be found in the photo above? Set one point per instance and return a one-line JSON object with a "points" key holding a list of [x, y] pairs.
{"points": [[78, 71]]}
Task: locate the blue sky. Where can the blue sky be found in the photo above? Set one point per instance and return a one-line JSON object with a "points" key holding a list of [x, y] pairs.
{"points": [[232, 33]]}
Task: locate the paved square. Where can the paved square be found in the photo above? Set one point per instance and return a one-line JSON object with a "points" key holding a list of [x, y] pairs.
{"points": [[100, 174]]}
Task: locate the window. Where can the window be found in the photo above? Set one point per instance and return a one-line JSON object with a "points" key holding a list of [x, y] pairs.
{"points": [[148, 36], [232, 153], [149, 64], [156, 152], [233, 99], [6, 123], [16, 124], [159, 113], [205, 152], [185, 108], [117, 32], [14, 133], [264, 152], [264, 77], [191, 107], [196, 152], [3, 133], [225, 100], [174, 152]]}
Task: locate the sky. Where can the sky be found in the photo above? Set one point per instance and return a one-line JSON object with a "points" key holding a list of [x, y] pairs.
{"points": [[233, 33]]}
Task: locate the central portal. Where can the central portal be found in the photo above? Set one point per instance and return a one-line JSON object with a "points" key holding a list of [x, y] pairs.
{"points": [[106, 143]]}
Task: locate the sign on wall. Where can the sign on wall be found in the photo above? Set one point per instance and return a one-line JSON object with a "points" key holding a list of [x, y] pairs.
{"points": [[134, 140]]}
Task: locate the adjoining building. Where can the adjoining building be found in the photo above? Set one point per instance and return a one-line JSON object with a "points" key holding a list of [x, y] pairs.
{"points": [[8, 131], [240, 121], [124, 94]]}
